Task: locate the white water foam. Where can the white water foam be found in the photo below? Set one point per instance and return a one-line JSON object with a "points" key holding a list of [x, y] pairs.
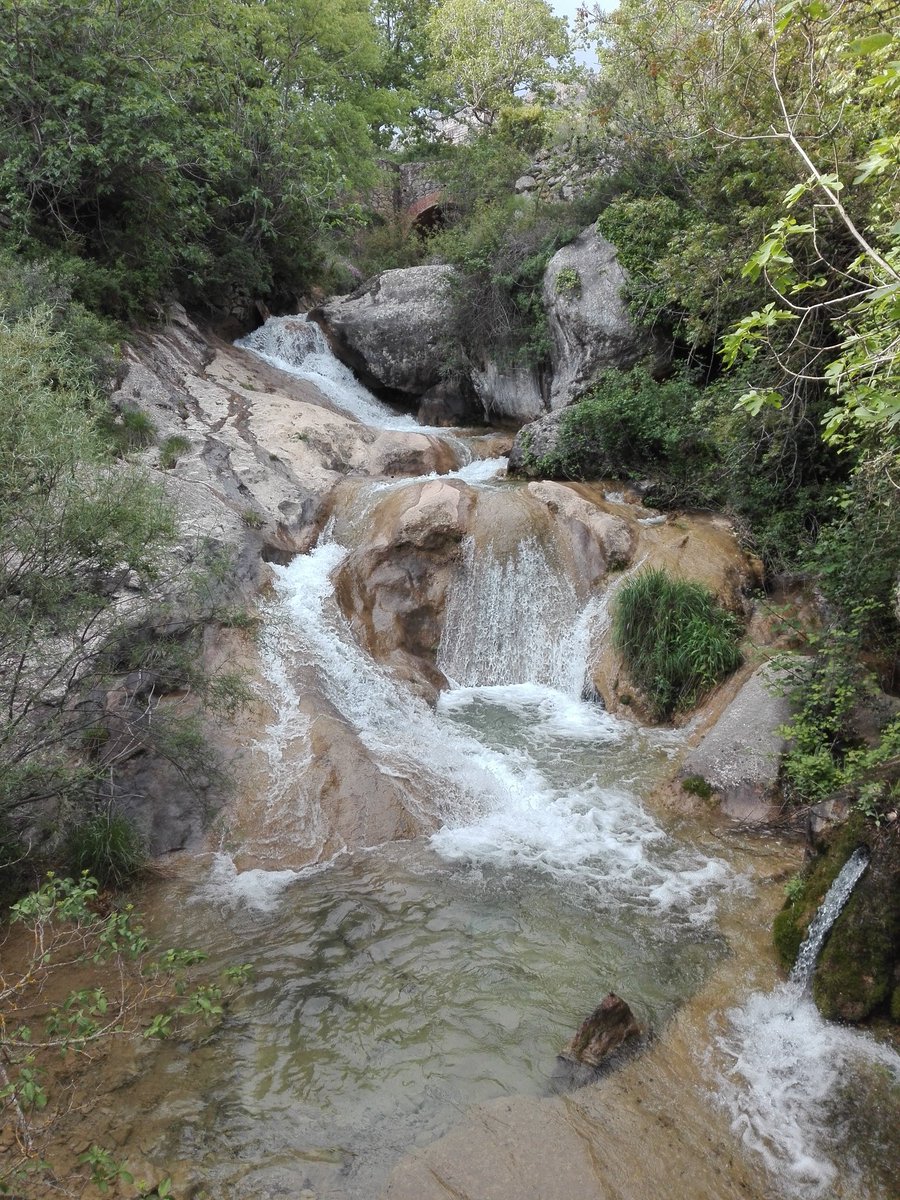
{"points": [[515, 620], [497, 803], [298, 346], [787, 1068], [254, 889]]}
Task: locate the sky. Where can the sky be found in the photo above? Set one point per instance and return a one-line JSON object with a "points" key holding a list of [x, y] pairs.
{"points": [[567, 9]]}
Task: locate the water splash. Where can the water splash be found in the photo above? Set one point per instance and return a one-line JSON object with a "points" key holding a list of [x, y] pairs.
{"points": [[788, 1067], [829, 911], [298, 346], [497, 770]]}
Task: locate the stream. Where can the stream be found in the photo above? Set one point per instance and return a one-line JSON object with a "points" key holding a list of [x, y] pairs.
{"points": [[396, 987]]}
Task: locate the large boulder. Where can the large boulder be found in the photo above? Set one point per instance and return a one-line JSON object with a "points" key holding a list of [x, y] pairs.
{"points": [[394, 588], [740, 757], [392, 331], [590, 327]]}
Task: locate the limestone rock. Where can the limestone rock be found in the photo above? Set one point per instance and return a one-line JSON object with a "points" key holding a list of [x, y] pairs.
{"points": [[609, 1025], [514, 394], [599, 539], [391, 330], [394, 588], [740, 756], [590, 327]]}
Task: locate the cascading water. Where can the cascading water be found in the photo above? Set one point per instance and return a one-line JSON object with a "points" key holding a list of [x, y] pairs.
{"points": [[829, 911], [298, 346], [787, 1066], [514, 620]]}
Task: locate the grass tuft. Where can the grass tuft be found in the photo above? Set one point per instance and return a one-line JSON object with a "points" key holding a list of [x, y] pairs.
{"points": [[676, 640], [108, 847]]}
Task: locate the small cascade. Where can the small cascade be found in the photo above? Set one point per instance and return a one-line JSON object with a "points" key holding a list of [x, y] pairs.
{"points": [[298, 346], [829, 911], [787, 1066], [514, 620]]}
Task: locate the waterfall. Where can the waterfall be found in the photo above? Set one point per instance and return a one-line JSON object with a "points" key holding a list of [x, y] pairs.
{"points": [[298, 346], [829, 911], [787, 1065], [514, 620]]}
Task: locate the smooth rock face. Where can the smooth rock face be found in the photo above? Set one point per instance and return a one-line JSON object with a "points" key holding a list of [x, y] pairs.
{"points": [[740, 756], [514, 394], [392, 330], [589, 322], [600, 540], [393, 589], [609, 1025]]}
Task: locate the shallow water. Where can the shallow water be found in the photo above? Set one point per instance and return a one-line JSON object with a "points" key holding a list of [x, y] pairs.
{"points": [[391, 992]]}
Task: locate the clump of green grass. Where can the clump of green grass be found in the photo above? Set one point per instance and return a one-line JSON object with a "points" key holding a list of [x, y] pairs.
{"points": [[127, 431], [676, 640], [108, 847], [171, 450]]}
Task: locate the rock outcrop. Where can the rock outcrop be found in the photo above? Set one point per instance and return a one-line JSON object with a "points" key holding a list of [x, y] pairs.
{"points": [[394, 588], [600, 540], [603, 1032], [514, 394], [590, 327], [740, 757], [393, 330]]}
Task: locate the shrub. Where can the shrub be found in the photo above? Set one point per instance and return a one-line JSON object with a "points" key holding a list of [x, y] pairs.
{"points": [[171, 450], [568, 282], [676, 640], [108, 847], [629, 426]]}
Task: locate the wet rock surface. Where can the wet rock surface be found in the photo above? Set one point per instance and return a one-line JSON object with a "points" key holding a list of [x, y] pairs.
{"points": [[602, 1033], [394, 588], [740, 757]]}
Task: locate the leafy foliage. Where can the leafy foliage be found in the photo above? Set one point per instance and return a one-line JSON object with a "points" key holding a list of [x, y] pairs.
{"points": [[676, 641], [107, 847], [487, 50], [243, 126], [76, 937]]}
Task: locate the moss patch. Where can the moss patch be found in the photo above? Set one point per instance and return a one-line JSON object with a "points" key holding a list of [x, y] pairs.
{"points": [[855, 973]]}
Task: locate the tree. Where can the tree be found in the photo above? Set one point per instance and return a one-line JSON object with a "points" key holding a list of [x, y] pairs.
{"points": [[488, 50], [835, 272], [246, 126]]}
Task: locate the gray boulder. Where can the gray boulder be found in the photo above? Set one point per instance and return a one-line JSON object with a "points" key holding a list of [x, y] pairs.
{"points": [[535, 444], [740, 756], [513, 394], [392, 330], [590, 327]]}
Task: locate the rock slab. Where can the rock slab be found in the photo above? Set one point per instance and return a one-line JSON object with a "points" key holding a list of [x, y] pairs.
{"points": [[740, 756]]}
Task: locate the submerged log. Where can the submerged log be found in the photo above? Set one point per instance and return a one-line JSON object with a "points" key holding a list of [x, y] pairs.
{"points": [[608, 1026]]}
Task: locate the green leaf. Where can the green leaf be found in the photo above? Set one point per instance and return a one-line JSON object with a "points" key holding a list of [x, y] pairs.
{"points": [[871, 43]]}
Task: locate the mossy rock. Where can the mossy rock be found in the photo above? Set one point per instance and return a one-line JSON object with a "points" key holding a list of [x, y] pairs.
{"points": [[793, 921], [855, 975], [856, 969]]}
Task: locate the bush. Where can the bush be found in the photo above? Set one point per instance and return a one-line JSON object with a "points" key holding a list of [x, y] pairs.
{"points": [[629, 426], [108, 847], [676, 640], [171, 450]]}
